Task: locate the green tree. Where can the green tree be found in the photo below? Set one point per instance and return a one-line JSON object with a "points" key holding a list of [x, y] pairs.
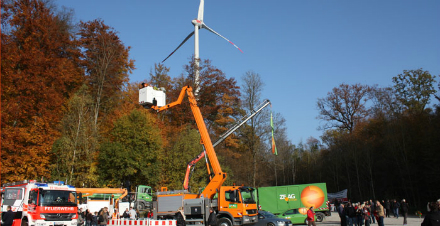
{"points": [[185, 148], [132, 152], [74, 156], [414, 89]]}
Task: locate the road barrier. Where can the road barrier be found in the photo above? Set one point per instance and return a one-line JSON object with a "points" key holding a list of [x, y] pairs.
{"points": [[146, 222]]}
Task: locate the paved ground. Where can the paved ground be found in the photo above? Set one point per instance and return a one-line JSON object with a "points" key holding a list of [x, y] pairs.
{"points": [[335, 220]]}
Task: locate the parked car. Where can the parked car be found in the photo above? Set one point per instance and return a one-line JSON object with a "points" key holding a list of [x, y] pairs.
{"points": [[266, 218], [295, 216]]}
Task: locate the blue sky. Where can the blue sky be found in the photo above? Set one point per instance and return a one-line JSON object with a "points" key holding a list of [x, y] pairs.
{"points": [[301, 49]]}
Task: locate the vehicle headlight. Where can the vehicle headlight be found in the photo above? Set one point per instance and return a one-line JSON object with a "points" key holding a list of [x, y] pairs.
{"points": [[281, 222], [42, 216]]}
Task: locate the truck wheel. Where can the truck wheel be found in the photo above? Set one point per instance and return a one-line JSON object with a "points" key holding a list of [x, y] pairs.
{"points": [[141, 206], [319, 217], [224, 222], [24, 222]]}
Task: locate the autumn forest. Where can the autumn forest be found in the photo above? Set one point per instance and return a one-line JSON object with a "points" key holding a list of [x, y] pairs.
{"points": [[69, 112]]}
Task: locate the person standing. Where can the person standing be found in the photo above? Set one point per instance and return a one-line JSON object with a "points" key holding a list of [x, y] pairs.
{"points": [[80, 220], [351, 213], [8, 217], [212, 219], [396, 206], [366, 215], [404, 206], [132, 213], [89, 218], [433, 217], [380, 213], [126, 214], [372, 211], [359, 215], [103, 217], [341, 213], [387, 208], [150, 214], [95, 219], [115, 214], [311, 217]]}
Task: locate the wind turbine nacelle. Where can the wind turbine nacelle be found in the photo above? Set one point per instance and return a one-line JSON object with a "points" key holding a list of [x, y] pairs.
{"points": [[152, 96]]}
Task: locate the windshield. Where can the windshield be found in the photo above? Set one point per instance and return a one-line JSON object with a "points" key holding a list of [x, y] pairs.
{"points": [[248, 195], [267, 214], [57, 198]]}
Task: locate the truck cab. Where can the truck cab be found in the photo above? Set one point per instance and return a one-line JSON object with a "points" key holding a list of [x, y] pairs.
{"points": [[144, 197], [237, 205], [41, 204]]}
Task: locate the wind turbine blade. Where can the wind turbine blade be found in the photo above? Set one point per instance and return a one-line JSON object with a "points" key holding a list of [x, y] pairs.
{"points": [[209, 29], [186, 39], [201, 7]]}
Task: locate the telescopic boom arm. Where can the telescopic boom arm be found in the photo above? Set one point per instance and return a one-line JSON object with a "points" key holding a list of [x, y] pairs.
{"points": [[237, 125], [219, 176]]}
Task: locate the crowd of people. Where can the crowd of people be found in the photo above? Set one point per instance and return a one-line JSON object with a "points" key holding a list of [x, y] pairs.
{"points": [[102, 217], [368, 212]]}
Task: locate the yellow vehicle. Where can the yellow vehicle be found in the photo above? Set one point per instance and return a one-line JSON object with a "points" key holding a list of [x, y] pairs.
{"points": [[235, 205]]}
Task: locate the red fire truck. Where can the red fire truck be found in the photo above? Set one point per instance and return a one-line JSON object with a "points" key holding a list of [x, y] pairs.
{"points": [[40, 204]]}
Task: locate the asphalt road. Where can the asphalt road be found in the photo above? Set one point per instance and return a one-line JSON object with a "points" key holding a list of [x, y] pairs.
{"points": [[412, 220]]}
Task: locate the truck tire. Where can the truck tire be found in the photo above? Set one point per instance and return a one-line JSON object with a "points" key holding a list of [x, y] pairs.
{"points": [[319, 217], [224, 222], [140, 206]]}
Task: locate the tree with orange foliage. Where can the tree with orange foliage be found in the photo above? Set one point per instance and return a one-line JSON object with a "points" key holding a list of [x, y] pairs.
{"points": [[39, 72], [107, 64], [213, 86]]}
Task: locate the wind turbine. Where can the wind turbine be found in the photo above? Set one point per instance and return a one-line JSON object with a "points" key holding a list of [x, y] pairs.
{"points": [[198, 24]]}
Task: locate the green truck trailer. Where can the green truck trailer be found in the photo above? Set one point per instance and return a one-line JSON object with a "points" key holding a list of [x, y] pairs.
{"points": [[280, 199]]}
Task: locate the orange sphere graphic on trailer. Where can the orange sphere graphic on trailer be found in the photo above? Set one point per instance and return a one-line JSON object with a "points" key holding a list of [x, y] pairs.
{"points": [[312, 196], [302, 211]]}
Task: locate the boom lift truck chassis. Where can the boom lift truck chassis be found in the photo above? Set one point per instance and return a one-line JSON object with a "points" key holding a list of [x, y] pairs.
{"points": [[235, 205]]}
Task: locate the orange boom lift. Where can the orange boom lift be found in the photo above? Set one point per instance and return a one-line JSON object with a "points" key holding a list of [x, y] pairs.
{"points": [[235, 205]]}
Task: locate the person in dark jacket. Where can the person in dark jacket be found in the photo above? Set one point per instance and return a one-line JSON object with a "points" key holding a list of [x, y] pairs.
{"points": [[8, 217], [387, 208], [212, 219], [396, 206], [372, 209], [351, 213], [433, 217], [342, 215], [404, 206]]}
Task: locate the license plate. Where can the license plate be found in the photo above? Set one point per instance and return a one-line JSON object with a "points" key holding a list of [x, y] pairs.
{"points": [[58, 223]]}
